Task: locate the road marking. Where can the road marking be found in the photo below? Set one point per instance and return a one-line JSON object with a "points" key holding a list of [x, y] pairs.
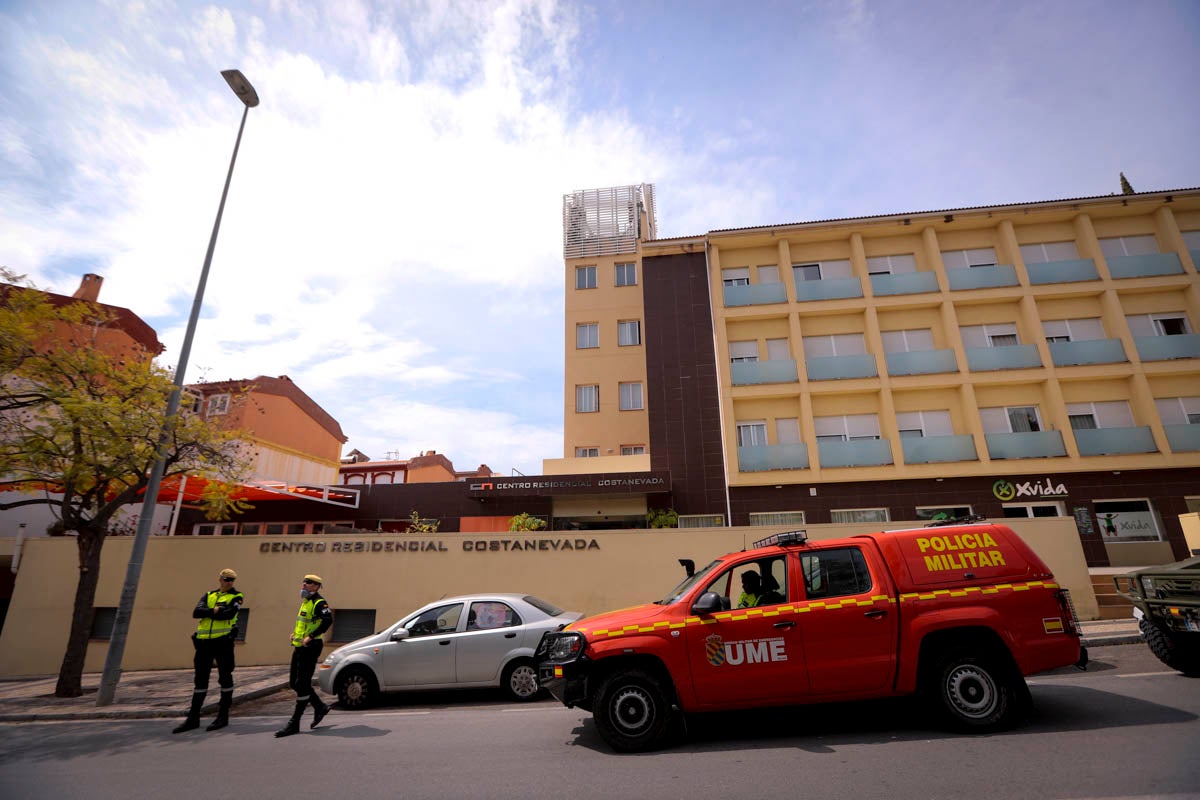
{"points": [[1147, 674]]}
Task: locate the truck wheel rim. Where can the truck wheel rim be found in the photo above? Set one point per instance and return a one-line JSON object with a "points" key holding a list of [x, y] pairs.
{"points": [[524, 681], [972, 691], [632, 711]]}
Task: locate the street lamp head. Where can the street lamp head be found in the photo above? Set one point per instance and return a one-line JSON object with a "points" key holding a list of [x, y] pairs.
{"points": [[241, 87]]}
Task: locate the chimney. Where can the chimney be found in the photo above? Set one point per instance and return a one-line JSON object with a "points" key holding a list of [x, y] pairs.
{"points": [[89, 288]]}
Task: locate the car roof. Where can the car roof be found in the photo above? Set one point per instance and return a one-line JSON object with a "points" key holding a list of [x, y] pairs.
{"points": [[510, 596]]}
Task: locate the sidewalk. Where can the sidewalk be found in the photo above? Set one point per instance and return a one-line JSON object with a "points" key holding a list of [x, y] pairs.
{"points": [[166, 693]]}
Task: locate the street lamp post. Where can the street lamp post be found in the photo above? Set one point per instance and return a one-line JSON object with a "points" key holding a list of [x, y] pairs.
{"points": [[116, 648]]}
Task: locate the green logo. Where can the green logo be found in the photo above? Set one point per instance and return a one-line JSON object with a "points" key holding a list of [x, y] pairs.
{"points": [[1004, 490]]}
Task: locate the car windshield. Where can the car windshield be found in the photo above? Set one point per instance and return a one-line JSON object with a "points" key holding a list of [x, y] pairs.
{"points": [[540, 604], [684, 587]]}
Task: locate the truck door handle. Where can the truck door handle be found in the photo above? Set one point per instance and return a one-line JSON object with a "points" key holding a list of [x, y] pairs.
{"points": [[878, 612], [788, 624]]}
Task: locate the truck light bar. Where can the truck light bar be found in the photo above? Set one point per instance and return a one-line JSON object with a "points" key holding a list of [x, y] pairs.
{"points": [[781, 539]]}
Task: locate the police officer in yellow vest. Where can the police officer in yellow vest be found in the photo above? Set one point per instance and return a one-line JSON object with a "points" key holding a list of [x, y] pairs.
{"points": [[213, 640], [308, 638]]}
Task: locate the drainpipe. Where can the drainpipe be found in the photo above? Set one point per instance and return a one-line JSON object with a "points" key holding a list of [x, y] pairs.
{"points": [[16, 561]]}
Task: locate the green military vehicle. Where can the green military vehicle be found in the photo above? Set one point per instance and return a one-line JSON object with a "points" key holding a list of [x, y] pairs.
{"points": [[1166, 603]]}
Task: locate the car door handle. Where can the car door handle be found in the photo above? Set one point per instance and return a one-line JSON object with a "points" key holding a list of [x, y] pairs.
{"points": [[444, 642], [788, 624], [878, 612], [510, 636]]}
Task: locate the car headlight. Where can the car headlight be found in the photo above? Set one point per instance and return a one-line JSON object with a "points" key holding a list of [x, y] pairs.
{"points": [[334, 657], [564, 646]]}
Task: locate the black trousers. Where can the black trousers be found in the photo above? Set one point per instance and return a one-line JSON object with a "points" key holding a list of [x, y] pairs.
{"points": [[210, 650], [304, 664]]}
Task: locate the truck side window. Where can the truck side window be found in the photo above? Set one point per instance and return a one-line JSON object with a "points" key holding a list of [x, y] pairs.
{"points": [[771, 581], [835, 573]]}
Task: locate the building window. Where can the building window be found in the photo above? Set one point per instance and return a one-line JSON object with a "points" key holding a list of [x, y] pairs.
{"points": [[1027, 510], [1191, 239], [1171, 324], [251, 529], [352, 623], [215, 529], [1179, 410], [850, 427], [1090, 416], [331, 527], [587, 335], [900, 264], [743, 352], [587, 452], [633, 449], [917, 340], [777, 518], [1010, 419], [999, 334], [1127, 520], [701, 521], [822, 270], [1117, 246], [738, 276], [919, 424], [838, 344], [629, 332], [103, 619], [1073, 330], [218, 404], [585, 277], [625, 274], [587, 399], [190, 402], [751, 434], [943, 512], [848, 515], [631, 396], [1046, 252], [979, 257]]}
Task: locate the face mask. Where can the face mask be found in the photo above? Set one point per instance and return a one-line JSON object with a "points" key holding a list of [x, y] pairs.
{"points": [[304, 593]]}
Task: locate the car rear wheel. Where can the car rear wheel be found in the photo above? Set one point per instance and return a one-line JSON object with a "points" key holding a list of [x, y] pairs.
{"points": [[975, 692], [632, 712], [520, 680], [357, 688]]}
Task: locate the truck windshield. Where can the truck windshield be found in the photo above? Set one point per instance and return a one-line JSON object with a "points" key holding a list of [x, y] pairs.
{"points": [[684, 587]]}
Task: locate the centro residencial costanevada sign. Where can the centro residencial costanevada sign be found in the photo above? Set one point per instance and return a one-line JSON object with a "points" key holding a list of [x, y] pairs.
{"points": [[1006, 490], [540, 544]]}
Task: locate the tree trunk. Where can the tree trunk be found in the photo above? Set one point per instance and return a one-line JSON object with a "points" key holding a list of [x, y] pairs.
{"points": [[70, 675]]}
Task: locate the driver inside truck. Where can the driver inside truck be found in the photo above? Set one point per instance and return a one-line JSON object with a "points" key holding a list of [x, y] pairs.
{"points": [[751, 588]]}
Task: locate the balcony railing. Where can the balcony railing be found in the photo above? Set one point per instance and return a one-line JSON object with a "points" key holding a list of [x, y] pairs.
{"points": [[773, 456], [1016, 356], [1183, 438], [828, 289], [1144, 266], [922, 362], [981, 277], [857, 453], [748, 373], [1091, 351], [1165, 348], [1081, 269], [1115, 441], [755, 295], [936, 449], [905, 283], [829, 368], [1029, 444]]}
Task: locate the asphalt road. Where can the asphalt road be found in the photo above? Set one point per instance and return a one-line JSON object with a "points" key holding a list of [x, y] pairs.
{"points": [[1126, 728]]}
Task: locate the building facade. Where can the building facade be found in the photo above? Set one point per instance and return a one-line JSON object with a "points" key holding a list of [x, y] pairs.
{"points": [[1035, 359]]}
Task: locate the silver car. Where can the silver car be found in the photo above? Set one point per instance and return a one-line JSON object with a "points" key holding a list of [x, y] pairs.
{"points": [[457, 642]]}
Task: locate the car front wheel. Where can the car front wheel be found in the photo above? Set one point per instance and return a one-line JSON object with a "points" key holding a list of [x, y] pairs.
{"points": [[357, 688], [520, 680], [632, 712]]}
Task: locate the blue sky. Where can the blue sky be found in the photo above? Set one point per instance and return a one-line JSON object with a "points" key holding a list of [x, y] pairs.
{"points": [[392, 239]]}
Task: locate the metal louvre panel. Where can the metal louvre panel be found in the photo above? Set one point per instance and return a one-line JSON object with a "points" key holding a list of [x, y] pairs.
{"points": [[599, 222]]}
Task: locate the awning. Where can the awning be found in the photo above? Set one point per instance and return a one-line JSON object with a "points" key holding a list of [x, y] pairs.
{"points": [[257, 492]]}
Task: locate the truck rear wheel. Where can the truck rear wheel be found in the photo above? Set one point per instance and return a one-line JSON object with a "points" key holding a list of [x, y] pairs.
{"points": [[977, 693], [1179, 652], [632, 712]]}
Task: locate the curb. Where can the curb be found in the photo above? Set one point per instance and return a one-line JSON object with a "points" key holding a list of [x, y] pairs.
{"points": [[135, 713], [1120, 638]]}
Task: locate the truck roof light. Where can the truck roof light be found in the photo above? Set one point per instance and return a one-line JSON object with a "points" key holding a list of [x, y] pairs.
{"points": [[781, 539]]}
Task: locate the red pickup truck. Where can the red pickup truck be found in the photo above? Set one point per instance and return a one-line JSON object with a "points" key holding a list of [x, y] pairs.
{"points": [[960, 614]]}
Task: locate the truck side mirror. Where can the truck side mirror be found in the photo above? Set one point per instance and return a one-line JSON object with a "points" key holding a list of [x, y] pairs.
{"points": [[708, 603]]}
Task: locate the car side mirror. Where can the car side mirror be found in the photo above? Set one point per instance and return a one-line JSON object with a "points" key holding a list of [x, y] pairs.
{"points": [[399, 635], [707, 603]]}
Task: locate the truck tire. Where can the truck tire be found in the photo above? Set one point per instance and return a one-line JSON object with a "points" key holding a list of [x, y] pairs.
{"points": [[357, 688], [632, 712], [1177, 651], [976, 692], [520, 680]]}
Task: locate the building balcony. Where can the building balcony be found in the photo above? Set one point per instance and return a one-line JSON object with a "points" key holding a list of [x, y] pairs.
{"points": [[856, 453], [922, 362], [831, 368], [828, 289], [1166, 348], [1183, 438], [1092, 351], [750, 373], [759, 294], [772, 456], [981, 277], [1145, 266], [1016, 356], [1081, 269], [1029, 444], [906, 283], [1115, 441], [936, 449]]}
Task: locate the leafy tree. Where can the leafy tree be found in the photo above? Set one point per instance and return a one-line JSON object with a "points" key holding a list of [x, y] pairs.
{"points": [[82, 409], [662, 518], [418, 525], [1126, 188], [526, 522]]}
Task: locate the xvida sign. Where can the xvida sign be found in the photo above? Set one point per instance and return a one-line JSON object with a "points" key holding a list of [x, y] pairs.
{"points": [[1005, 489]]}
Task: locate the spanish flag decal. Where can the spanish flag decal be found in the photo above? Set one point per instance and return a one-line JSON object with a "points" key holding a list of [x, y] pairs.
{"points": [[1052, 624]]}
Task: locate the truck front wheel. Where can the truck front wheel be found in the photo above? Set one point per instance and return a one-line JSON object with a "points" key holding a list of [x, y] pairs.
{"points": [[632, 712], [1177, 651], [977, 693]]}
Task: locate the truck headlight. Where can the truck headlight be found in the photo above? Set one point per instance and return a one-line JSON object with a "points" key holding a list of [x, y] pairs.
{"points": [[1147, 586]]}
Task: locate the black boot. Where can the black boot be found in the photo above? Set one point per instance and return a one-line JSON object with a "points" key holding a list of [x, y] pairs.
{"points": [[320, 709], [293, 726], [222, 711], [192, 721]]}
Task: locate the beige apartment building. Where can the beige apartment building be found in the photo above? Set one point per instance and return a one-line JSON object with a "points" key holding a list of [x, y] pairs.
{"points": [[1022, 360]]}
